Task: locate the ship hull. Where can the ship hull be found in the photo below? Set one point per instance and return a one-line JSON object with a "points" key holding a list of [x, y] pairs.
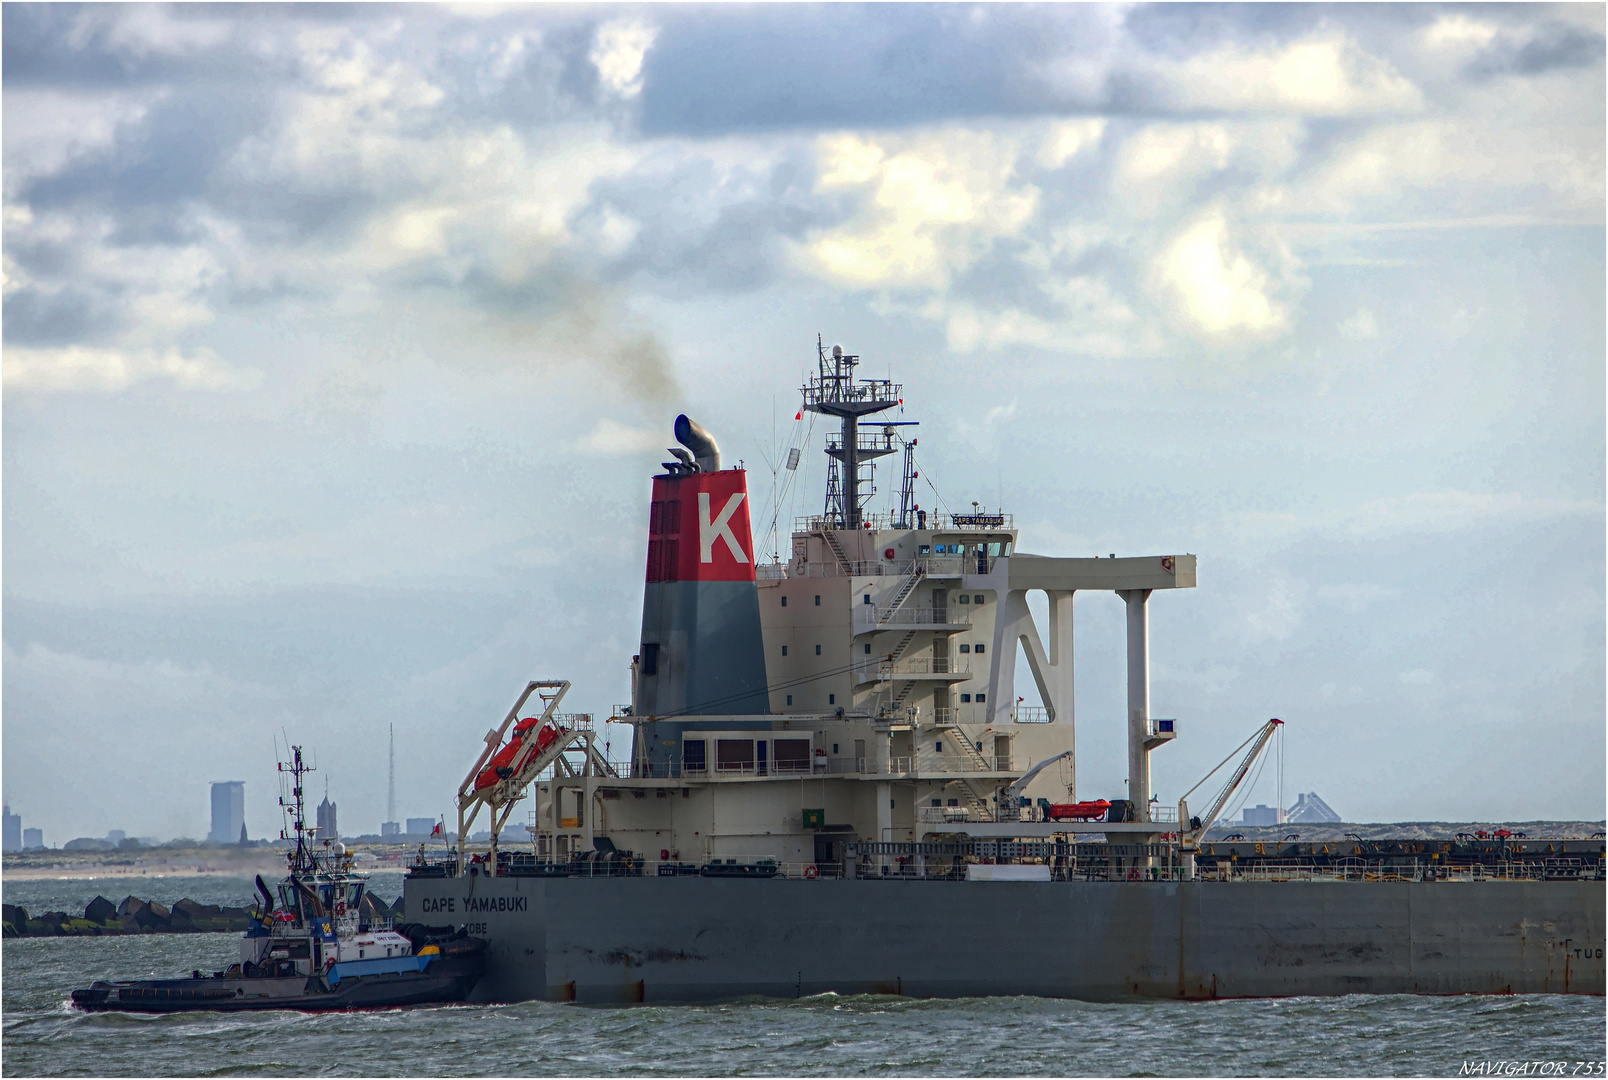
{"points": [[691, 939]]}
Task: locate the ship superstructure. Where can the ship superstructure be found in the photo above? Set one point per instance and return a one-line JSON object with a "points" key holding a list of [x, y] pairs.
{"points": [[864, 688]]}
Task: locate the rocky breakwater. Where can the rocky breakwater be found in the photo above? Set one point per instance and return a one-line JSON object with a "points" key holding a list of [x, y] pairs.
{"points": [[136, 916]]}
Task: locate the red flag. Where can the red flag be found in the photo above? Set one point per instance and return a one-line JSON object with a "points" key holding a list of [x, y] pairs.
{"points": [[436, 831], [799, 415]]}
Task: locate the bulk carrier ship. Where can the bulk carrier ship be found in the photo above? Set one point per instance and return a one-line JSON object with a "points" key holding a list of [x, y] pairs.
{"points": [[834, 786]]}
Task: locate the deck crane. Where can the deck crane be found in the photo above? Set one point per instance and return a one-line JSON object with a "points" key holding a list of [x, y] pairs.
{"points": [[1191, 830]]}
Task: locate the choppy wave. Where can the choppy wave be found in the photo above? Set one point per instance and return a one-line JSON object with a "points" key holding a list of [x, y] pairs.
{"points": [[825, 1035]]}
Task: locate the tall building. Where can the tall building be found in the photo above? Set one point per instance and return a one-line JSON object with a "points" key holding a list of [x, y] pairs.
{"points": [[1261, 814], [1309, 807], [327, 829], [12, 840], [33, 838], [420, 826], [228, 811]]}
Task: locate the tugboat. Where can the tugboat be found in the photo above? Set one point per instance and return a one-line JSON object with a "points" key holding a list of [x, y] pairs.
{"points": [[314, 947]]}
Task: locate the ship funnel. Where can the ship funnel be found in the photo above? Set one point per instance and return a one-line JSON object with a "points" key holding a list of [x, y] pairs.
{"points": [[700, 442]]}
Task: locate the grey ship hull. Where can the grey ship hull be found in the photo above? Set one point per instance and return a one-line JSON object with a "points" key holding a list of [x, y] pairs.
{"points": [[689, 939]]}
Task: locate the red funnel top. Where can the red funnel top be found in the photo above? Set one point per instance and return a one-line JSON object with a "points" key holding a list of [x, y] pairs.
{"points": [[698, 528]]}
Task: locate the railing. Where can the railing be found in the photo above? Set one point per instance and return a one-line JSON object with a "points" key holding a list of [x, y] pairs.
{"points": [[873, 616], [774, 571], [866, 670], [1032, 714], [938, 861], [934, 566]]}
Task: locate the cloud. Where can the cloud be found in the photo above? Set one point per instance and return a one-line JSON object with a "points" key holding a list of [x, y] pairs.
{"points": [[618, 51], [1325, 75], [610, 438], [76, 367], [1219, 288], [1360, 327], [983, 433], [928, 207]]}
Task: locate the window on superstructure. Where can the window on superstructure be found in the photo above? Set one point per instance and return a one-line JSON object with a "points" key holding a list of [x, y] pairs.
{"points": [[977, 599], [817, 650], [964, 599], [817, 601], [868, 649], [965, 648], [791, 755], [733, 755], [982, 698], [694, 755], [978, 649], [790, 699], [831, 699], [784, 601], [868, 598], [784, 650], [965, 698]]}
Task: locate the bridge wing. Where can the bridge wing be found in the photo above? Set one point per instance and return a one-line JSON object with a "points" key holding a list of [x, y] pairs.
{"points": [[1138, 572]]}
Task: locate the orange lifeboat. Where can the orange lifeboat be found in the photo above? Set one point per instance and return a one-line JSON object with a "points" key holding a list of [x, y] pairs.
{"points": [[504, 757], [1078, 811]]}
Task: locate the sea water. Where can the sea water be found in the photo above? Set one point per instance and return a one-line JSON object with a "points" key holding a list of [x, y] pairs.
{"points": [[825, 1035]]}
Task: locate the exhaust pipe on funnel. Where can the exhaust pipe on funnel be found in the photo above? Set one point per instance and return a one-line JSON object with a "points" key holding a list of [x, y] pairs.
{"points": [[700, 442]]}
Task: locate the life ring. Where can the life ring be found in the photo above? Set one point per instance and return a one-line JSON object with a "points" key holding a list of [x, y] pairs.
{"points": [[811, 871], [1133, 874], [1167, 563]]}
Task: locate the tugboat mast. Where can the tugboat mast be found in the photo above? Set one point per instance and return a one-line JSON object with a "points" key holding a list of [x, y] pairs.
{"points": [[302, 859]]}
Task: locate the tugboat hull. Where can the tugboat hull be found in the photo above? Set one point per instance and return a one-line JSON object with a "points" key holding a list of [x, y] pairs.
{"points": [[444, 980]]}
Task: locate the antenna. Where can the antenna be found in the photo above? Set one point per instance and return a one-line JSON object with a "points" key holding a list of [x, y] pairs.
{"points": [[390, 792]]}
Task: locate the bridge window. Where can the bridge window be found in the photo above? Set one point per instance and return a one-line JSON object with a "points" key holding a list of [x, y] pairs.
{"points": [[734, 754], [792, 755], [694, 755]]}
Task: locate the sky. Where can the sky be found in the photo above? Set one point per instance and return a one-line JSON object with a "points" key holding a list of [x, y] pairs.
{"points": [[340, 344]]}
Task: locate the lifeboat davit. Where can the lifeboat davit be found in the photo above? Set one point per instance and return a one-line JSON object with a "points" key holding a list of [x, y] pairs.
{"points": [[504, 758], [1077, 811]]}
